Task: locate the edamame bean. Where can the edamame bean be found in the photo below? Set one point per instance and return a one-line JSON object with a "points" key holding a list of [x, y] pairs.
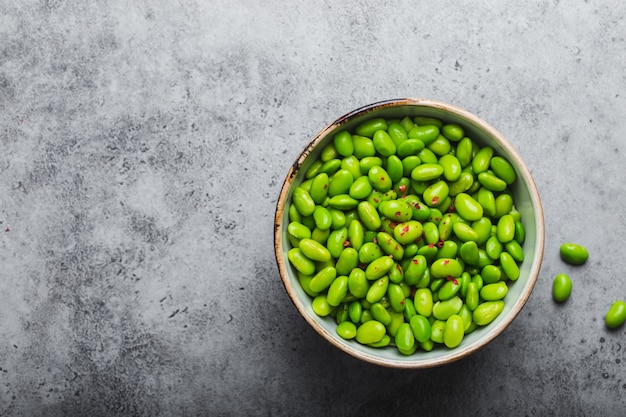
{"points": [[363, 146], [616, 316], [491, 274], [357, 283], [410, 147], [347, 261], [491, 182], [322, 217], [379, 178], [300, 261], [561, 288], [369, 127], [495, 291], [437, 330], [421, 328], [427, 172], [397, 133], [383, 143], [298, 230], [320, 306], [370, 332], [573, 253], [453, 331], [482, 159], [340, 183], [425, 133], [464, 151], [407, 232], [487, 199], [503, 169], [436, 193], [509, 266], [446, 267], [440, 146], [342, 202], [505, 228], [443, 309], [404, 338], [379, 267], [303, 202], [323, 279], [396, 210], [451, 167], [424, 121], [423, 301], [467, 207], [380, 313], [390, 246], [337, 291], [354, 311], [377, 290], [453, 132], [472, 296], [486, 312], [346, 330], [335, 243], [369, 215], [343, 143]]}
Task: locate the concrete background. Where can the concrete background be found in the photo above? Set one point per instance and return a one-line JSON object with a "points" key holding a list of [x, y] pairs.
{"points": [[143, 145]]}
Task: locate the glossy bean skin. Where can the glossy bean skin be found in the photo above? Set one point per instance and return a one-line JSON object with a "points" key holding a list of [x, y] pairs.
{"points": [[494, 292], [616, 315], [487, 312], [573, 253], [346, 330], [404, 338], [370, 332], [454, 331], [561, 288], [427, 172], [300, 261], [421, 328]]}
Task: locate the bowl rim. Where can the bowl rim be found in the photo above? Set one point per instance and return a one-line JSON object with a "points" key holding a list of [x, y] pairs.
{"points": [[454, 354]]}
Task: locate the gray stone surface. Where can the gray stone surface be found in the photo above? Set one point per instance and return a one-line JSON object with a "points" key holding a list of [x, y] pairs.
{"points": [[143, 147]]}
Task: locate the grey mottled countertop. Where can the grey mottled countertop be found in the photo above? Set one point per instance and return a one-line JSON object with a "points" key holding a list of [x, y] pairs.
{"points": [[143, 147]]}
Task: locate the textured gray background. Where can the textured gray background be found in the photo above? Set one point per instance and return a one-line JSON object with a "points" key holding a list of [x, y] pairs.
{"points": [[143, 146]]}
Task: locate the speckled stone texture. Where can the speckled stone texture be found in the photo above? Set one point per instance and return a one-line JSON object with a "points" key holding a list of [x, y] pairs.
{"points": [[143, 147]]}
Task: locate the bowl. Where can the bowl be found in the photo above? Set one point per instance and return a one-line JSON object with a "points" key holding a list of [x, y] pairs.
{"points": [[527, 202]]}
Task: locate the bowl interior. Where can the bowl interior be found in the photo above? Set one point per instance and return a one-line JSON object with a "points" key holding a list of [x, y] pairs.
{"points": [[526, 199]]}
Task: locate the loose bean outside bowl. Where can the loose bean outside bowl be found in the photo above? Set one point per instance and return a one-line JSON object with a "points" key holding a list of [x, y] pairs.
{"points": [[527, 202]]}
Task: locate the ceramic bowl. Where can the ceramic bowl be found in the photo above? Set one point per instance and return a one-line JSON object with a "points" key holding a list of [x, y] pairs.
{"points": [[527, 202]]}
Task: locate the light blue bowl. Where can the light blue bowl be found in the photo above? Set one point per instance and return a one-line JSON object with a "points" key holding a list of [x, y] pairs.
{"points": [[527, 202]]}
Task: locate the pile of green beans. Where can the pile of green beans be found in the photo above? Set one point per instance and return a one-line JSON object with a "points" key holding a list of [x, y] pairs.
{"points": [[405, 232]]}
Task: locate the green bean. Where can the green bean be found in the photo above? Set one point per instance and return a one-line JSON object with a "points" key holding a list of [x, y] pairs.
{"points": [[383, 143], [561, 288], [343, 143], [346, 330], [453, 331], [370, 332], [363, 146], [369, 127], [616, 316], [453, 132], [421, 328], [573, 253], [427, 134], [486, 312], [352, 165]]}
